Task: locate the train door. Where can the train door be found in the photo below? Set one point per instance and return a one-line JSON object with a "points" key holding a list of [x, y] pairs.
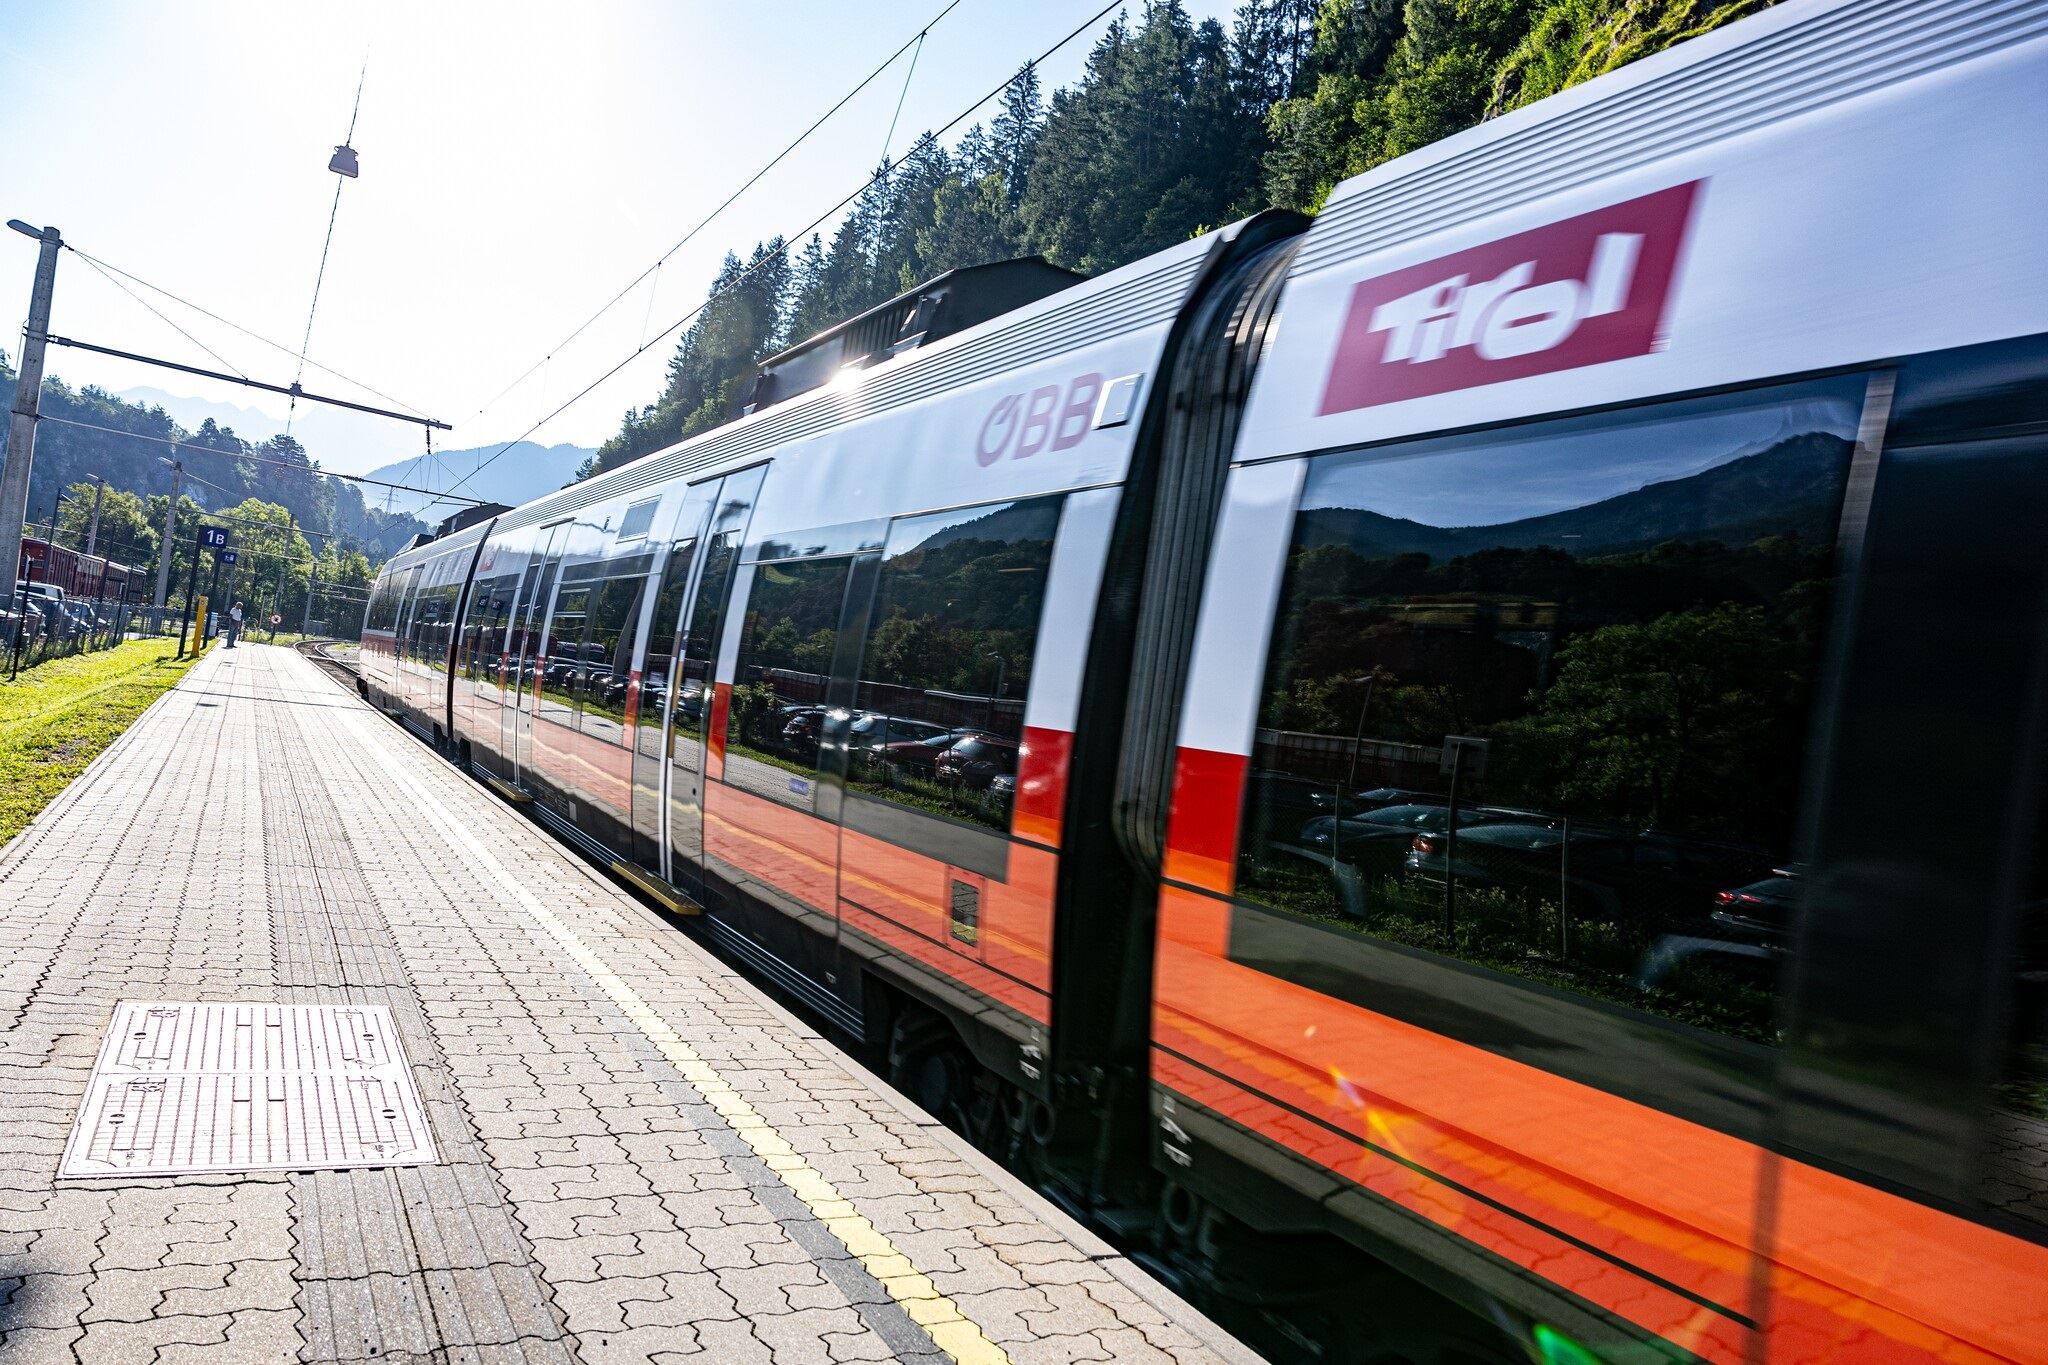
{"points": [[692, 691], [536, 593], [401, 647], [655, 699]]}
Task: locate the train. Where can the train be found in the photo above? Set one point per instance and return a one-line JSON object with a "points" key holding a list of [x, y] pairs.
{"points": [[77, 573], [1464, 775]]}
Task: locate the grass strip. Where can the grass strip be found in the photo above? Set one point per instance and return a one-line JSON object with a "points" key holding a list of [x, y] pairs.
{"points": [[57, 717]]}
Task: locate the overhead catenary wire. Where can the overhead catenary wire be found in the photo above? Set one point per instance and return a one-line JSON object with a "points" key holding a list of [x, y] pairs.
{"points": [[152, 308], [232, 325], [888, 169], [889, 138], [774, 161], [339, 180], [259, 459], [295, 391]]}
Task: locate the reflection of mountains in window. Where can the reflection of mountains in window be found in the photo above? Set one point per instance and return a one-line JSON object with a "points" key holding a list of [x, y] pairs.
{"points": [[1793, 487], [956, 598]]}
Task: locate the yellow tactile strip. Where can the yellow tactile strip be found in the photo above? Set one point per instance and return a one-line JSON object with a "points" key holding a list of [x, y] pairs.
{"points": [[950, 1329]]}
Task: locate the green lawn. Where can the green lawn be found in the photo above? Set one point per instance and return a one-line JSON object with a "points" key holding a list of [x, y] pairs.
{"points": [[55, 718]]}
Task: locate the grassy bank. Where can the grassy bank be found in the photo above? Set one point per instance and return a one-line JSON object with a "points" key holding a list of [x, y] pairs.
{"points": [[55, 719]]}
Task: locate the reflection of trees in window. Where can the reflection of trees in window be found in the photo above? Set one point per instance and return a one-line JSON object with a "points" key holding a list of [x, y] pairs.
{"points": [[785, 660], [608, 651], [563, 650], [938, 716], [1638, 651]]}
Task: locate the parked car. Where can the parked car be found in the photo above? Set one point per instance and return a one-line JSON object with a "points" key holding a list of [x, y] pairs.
{"points": [[1376, 841], [1000, 796], [768, 729], [1283, 802], [1762, 911], [976, 761], [1640, 878], [919, 758]]}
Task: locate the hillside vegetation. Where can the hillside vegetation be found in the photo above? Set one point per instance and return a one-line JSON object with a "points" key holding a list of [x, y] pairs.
{"points": [[1173, 128], [284, 516]]}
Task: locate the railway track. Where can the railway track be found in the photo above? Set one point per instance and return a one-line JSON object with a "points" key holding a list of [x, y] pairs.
{"points": [[323, 653]]}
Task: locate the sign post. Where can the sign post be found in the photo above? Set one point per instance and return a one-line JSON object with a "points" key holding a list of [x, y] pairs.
{"points": [[213, 538]]}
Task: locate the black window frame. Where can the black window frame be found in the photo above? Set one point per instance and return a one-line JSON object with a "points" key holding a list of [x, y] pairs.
{"points": [[1627, 1051], [973, 840]]}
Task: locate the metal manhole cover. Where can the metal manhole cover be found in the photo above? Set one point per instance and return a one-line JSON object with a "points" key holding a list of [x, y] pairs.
{"points": [[183, 1089]]}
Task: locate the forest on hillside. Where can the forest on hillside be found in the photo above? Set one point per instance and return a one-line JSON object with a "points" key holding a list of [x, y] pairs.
{"points": [[1175, 127], [285, 516]]}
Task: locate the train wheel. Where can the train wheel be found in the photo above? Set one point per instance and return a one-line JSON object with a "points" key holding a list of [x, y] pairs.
{"points": [[928, 1064]]}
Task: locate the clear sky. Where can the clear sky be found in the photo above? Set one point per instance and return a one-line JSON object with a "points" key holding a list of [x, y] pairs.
{"points": [[520, 163]]}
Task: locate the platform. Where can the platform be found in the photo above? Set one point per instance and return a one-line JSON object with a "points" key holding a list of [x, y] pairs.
{"points": [[630, 1154]]}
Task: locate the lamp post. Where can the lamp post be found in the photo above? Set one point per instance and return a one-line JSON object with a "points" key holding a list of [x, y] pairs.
{"points": [[163, 558], [92, 527], [995, 696]]}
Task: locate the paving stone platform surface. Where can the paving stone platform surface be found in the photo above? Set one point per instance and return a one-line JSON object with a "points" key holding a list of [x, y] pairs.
{"points": [[641, 1159]]}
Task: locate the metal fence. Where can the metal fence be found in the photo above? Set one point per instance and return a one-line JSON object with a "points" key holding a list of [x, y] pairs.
{"points": [[46, 627]]}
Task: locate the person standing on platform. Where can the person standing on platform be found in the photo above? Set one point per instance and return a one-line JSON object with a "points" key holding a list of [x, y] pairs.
{"points": [[234, 623]]}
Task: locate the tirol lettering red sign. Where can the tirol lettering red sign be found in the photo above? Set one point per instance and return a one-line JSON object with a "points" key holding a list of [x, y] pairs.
{"points": [[1580, 292]]}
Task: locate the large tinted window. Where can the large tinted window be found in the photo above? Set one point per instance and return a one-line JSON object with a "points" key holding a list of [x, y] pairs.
{"points": [[608, 648], [382, 613], [489, 616], [561, 655], [783, 674], [1538, 699], [938, 715], [2014, 1178]]}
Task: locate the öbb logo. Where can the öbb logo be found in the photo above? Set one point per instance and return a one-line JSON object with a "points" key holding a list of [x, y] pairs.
{"points": [[1579, 292], [1022, 424]]}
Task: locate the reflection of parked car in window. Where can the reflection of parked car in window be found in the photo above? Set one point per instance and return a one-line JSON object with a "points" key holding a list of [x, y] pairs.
{"points": [[1287, 802], [1641, 877], [976, 761], [804, 729], [1000, 795], [1762, 911], [919, 757], [870, 734], [1381, 837]]}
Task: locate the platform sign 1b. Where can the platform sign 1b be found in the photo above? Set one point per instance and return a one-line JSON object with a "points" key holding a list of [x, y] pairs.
{"points": [[213, 537]]}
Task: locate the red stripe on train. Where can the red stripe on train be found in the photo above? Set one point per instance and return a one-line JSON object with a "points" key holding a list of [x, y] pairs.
{"points": [[721, 704], [1201, 836], [1041, 785]]}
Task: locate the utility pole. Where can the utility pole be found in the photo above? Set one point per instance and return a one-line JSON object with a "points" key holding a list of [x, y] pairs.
{"points": [[92, 528], [28, 400], [312, 587], [163, 558], [277, 606]]}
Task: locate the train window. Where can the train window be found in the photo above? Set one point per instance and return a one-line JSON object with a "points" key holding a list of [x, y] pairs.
{"points": [[492, 615], [562, 650], [1537, 698], [938, 716], [1921, 967], [784, 670], [383, 610], [2014, 1179], [639, 519], [408, 608], [608, 650], [434, 623]]}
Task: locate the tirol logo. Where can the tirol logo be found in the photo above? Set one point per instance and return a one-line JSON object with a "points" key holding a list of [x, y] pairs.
{"points": [[1587, 290], [1022, 424]]}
